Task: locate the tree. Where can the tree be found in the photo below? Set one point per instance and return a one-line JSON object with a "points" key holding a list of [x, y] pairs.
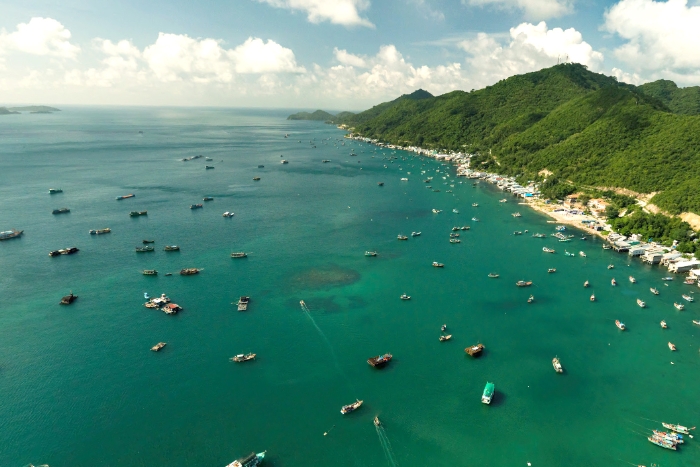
{"points": [[611, 212]]}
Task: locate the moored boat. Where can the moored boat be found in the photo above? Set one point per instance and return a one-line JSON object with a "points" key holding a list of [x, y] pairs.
{"points": [[663, 325], [8, 234], [671, 346], [688, 298], [679, 306], [243, 357], [696, 322], [68, 299], [582, 254], [493, 275], [531, 299], [592, 297], [487, 395], [150, 272], [551, 270], [147, 241], [474, 350], [586, 284], [228, 214], [667, 278], [125, 196], [633, 280], [677, 428], [207, 167], [547, 250], [445, 338], [100, 231], [144, 249], [243, 302], [208, 198], [189, 271], [672, 437], [196, 206], [523, 283], [401, 237], [613, 282], [661, 442], [557, 365], [611, 266], [239, 254], [60, 211], [171, 248], [53, 191], [455, 240], [158, 346], [438, 265], [64, 251], [654, 290], [405, 297], [641, 303], [370, 253], [346, 409], [138, 213], [415, 234], [620, 325], [380, 360]]}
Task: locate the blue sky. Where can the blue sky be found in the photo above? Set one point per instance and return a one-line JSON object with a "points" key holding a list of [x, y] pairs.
{"points": [[336, 54]]}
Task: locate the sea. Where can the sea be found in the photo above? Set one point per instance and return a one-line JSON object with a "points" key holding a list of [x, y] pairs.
{"points": [[80, 387]]}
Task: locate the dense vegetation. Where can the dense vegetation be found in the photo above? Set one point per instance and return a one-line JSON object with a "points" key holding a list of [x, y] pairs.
{"points": [[6, 111], [584, 127], [318, 115], [684, 101], [660, 228]]}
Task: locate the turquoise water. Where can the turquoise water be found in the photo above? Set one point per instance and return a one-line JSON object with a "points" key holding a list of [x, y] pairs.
{"points": [[80, 387]]}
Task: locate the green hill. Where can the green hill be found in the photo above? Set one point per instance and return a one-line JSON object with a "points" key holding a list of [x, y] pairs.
{"points": [[683, 101], [319, 115], [6, 111], [583, 126], [35, 109]]}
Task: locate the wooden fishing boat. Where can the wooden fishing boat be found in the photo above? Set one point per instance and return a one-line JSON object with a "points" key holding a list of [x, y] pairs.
{"points": [[557, 365], [641, 303], [620, 325], [523, 283], [438, 265], [474, 350], [346, 409], [189, 271], [243, 357], [671, 346], [379, 361], [445, 338], [663, 325], [158, 346]]}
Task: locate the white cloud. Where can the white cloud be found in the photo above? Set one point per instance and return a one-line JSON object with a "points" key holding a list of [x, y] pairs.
{"points": [[346, 58], [343, 12], [532, 9], [530, 47], [663, 38], [624, 77], [41, 36], [256, 56], [426, 9]]}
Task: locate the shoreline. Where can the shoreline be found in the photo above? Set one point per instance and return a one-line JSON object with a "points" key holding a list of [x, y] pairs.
{"points": [[573, 220]]}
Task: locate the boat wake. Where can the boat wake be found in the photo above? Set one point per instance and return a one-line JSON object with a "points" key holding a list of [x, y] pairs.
{"points": [[386, 446]]}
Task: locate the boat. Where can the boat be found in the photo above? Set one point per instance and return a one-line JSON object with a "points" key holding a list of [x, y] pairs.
{"points": [[377, 422], [171, 248], [551, 270], [633, 280], [465, 227], [125, 197], [405, 297], [239, 255], [346, 409], [503, 200], [380, 360], [144, 249], [100, 231], [415, 234], [401, 237], [454, 235], [454, 229], [474, 350], [569, 254], [641, 303], [560, 228], [654, 290], [516, 214], [672, 437], [208, 159], [677, 428], [147, 241], [438, 265], [445, 338], [689, 281], [243, 357], [663, 325], [475, 219], [228, 214], [606, 247], [189, 271], [380, 183], [60, 211], [324, 161], [437, 211], [679, 306], [493, 275], [443, 328], [68, 299], [613, 282], [557, 365], [243, 303], [455, 240], [149, 272], [696, 322], [592, 297], [688, 298], [662, 442], [158, 346], [138, 213], [586, 284], [53, 191], [168, 273], [565, 240], [475, 205], [611, 266], [196, 206], [582, 254], [531, 299], [404, 179], [64, 251], [668, 278], [620, 325], [539, 235], [671, 346], [487, 396], [370, 253], [208, 198], [455, 211], [517, 232], [207, 167], [256, 179], [523, 283], [8, 234]]}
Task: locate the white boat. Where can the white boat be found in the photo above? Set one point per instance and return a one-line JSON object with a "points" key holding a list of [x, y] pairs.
{"points": [[633, 280], [228, 214], [581, 253], [641, 303], [679, 306], [437, 211], [415, 234], [547, 250], [455, 211], [404, 179], [688, 298], [620, 325]]}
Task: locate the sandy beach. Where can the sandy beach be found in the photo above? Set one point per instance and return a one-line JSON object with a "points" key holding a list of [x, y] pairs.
{"points": [[563, 217]]}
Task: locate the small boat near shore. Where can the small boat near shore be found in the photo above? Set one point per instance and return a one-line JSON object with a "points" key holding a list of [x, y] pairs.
{"points": [[679, 306], [346, 409], [379, 361], [158, 346], [621, 326], [68, 299], [125, 196], [240, 358], [474, 350], [557, 365], [100, 231]]}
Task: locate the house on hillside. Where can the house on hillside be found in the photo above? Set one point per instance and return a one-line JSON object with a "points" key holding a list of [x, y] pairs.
{"points": [[597, 206]]}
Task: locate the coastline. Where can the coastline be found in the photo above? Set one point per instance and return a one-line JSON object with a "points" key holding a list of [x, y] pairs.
{"points": [[564, 218]]}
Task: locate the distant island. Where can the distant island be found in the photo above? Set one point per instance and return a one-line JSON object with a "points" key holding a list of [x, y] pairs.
{"points": [[34, 109], [320, 116]]}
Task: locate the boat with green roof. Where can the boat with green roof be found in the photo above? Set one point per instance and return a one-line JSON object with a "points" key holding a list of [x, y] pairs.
{"points": [[489, 389]]}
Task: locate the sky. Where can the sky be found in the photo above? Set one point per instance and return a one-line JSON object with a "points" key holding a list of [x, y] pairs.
{"points": [[330, 54]]}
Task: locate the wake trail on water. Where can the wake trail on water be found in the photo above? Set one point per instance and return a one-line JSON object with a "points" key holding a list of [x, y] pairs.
{"points": [[386, 446], [306, 311]]}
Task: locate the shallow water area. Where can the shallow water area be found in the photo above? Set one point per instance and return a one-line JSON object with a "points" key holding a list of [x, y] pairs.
{"points": [[80, 387]]}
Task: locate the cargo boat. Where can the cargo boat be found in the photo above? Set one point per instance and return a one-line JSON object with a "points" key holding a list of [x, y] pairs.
{"points": [[487, 396], [100, 231], [8, 234], [251, 460], [380, 360]]}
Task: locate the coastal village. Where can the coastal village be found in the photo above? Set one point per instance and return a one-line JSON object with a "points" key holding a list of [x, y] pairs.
{"points": [[590, 217]]}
